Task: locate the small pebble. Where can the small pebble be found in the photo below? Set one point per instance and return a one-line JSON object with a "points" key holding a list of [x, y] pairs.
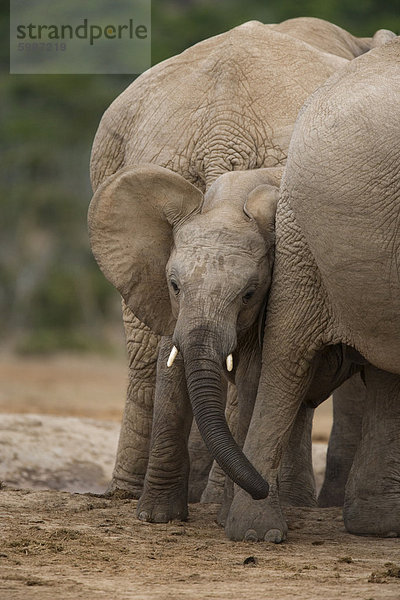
{"points": [[250, 561]]}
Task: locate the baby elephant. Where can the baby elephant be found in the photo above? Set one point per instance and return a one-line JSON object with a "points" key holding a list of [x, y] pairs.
{"points": [[197, 268]]}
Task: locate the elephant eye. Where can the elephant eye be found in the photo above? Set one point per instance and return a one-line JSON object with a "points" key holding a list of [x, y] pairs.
{"points": [[248, 296], [175, 287]]}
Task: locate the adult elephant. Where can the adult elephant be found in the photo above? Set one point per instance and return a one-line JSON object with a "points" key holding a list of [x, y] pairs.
{"points": [[228, 103], [335, 296]]}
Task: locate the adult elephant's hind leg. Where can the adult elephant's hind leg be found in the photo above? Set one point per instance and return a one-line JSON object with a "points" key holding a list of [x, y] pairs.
{"points": [[348, 406], [134, 439], [296, 476], [372, 499]]}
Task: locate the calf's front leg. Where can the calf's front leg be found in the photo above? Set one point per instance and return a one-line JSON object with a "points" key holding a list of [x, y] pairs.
{"points": [[165, 490], [278, 402]]}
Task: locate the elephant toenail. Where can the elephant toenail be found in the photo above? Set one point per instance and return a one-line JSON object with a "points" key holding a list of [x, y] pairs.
{"points": [[251, 536], [273, 535], [144, 516]]}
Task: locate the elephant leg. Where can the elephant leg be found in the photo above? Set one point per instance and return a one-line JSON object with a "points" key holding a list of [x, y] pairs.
{"points": [[247, 378], [294, 480], [134, 439], [285, 377], [165, 488], [220, 486], [348, 406], [214, 491], [266, 442], [372, 498], [200, 464], [296, 475]]}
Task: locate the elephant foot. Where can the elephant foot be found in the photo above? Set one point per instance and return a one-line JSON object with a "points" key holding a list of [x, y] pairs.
{"points": [[373, 516], [213, 494], [155, 506], [122, 489], [255, 520], [223, 513], [331, 496]]}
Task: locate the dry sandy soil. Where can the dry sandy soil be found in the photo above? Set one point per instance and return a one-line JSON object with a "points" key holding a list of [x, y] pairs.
{"points": [[56, 544]]}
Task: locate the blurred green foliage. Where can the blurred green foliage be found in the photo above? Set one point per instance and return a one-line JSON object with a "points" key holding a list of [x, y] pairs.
{"points": [[179, 24], [52, 295]]}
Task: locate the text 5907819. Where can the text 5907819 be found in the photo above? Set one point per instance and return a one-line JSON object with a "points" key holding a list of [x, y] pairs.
{"points": [[42, 46]]}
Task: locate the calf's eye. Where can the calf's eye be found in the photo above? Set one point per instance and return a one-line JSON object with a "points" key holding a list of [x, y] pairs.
{"points": [[175, 287], [248, 296]]}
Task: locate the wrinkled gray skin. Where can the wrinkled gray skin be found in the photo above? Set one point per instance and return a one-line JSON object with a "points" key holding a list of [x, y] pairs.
{"points": [[217, 276], [348, 405], [338, 295], [234, 110]]}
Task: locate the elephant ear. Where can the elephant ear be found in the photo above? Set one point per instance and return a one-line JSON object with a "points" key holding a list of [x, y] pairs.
{"points": [[261, 206], [131, 218]]}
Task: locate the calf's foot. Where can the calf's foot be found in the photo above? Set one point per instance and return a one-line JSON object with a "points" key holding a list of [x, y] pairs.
{"points": [[256, 520]]}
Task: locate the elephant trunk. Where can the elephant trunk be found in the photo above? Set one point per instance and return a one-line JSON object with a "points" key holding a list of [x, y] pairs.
{"points": [[203, 376]]}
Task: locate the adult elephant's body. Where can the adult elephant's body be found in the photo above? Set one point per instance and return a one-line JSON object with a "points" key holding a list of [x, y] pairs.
{"points": [[339, 295], [228, 103]]}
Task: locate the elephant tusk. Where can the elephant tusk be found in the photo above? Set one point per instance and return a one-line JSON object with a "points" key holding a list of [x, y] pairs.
{"points": [[172, 356], [229, 362]]}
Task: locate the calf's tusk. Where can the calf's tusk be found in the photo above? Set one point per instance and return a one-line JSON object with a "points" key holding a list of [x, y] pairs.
{"points": [[172, 356], [229, 362]]}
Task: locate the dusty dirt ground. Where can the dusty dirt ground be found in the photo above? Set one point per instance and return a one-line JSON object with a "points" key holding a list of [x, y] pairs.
{"points": [[64, 385], [60, 545]]}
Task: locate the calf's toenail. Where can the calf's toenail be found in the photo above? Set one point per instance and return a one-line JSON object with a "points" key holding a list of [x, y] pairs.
{"points": [[144, 516], [273, 535], [251, 536]]}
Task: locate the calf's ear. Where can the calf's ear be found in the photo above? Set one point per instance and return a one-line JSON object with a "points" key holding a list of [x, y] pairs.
{"points": [[261, 206], [131, 220]]}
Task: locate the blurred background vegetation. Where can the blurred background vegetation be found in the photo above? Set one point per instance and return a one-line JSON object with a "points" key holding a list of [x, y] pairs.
{"points": [[52, 295]]}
